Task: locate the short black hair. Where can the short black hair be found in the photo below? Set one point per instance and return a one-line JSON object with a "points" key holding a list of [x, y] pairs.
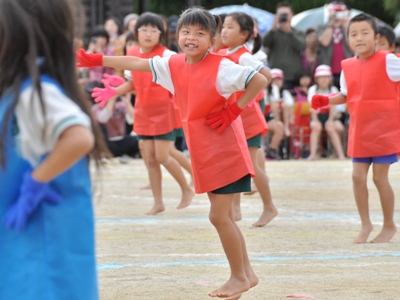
{"points": [[388, 33], [284, 4], [100, 31], [364, 17]]}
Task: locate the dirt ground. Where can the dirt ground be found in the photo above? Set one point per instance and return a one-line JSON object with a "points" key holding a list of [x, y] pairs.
{"points": [[306, 249]]}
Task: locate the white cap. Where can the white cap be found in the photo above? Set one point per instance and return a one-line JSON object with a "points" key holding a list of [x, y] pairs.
{"points": [[323, 70], [276, 73]]}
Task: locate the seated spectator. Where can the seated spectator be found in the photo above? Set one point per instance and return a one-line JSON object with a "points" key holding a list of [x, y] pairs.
{"points": [[98, 44], [324, 117], [275, 125], [301, 91], [112, 118], [281, 103]]}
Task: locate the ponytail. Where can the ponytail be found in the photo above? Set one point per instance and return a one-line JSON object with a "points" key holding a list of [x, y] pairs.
{"points": [[257, 42]]}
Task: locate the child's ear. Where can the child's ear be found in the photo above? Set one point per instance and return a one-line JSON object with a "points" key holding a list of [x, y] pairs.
{"points": [[212, 42]]}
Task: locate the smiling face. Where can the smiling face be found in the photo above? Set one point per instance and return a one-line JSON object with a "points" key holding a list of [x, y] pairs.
{"points": [[362, 38], [194, 41], [148, 37], [231, 35]]}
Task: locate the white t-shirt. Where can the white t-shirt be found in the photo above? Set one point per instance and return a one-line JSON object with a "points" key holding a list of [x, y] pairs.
{"points": [[286, 98], [392, 69], [61, 113], [247, 59], [231, 77], [313, 90]]}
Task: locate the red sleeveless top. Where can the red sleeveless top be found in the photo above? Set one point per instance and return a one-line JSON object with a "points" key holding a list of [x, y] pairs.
{"points": [[254, 122], [373, 104], [154, 112], [217, 159]]}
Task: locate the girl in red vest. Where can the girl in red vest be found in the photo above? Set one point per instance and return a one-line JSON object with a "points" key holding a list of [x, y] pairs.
{"points": [[154, 114], [374, 130], [203, 84], [238, 29]]}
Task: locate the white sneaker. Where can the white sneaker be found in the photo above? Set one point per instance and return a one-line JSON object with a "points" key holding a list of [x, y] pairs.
{"points": [[124, 159]]}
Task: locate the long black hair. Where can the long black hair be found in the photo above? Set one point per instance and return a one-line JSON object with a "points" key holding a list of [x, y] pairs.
{"points": [[33, 31]]}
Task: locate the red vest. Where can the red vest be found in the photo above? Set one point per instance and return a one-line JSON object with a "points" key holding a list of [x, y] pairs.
{"points": [[154, 109], [217, 159], [254, 122], [373, 104]]}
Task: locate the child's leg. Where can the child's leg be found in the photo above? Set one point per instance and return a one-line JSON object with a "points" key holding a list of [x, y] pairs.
{"points": [[143, 155], [261, 164], [261, 181], [154, 172], [335, 138], [316, 128], [286, 118], [360, 190], [181, 159], [386, 195], [237, 213], [162, 156], [221, 217]]}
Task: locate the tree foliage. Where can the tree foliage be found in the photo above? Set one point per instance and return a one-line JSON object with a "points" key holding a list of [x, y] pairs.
{"points": [[377, 8]]}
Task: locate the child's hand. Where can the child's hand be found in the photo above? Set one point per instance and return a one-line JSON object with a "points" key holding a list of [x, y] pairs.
{"points": [[224, 117], [32, 193], [318, 101], [103, 95], [113, 80], [88, 59]]}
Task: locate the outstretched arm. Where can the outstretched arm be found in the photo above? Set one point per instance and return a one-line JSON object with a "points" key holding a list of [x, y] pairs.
{"points": [[132, 63]]}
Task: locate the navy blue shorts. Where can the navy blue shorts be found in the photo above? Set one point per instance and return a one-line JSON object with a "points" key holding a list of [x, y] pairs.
{"points": [[385, 159]]}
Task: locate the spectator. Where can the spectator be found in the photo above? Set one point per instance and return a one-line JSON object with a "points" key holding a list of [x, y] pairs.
{"points": [[98, 44], [332, 39], [281, 102], [113, 28], [172, 42], [301, 91], [324, 117], [284, 45], [112, 116], [309, 55]]}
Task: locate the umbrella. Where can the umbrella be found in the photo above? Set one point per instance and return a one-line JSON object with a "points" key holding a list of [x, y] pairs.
{"points": [[314, 17], [264, 18]]}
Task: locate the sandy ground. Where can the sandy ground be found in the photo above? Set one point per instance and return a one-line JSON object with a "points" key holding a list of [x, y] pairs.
{"points": [[306, 249]]}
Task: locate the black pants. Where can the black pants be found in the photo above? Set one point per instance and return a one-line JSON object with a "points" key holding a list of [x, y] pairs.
{"points": [[128, 145]]}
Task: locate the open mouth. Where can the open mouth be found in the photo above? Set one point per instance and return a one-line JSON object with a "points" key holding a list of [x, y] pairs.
{"points": [[191, 46]]}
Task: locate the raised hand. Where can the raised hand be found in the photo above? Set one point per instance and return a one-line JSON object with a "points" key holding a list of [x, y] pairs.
{"points": [[102, 95], [113, 80], [88, 60]]}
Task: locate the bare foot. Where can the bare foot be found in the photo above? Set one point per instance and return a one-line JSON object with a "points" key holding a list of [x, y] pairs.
{"points": [[156, 209], [252, 278], [385, 235], [145, 187], [266, 217], [311, 157], [234, 297], [363, 235], [187, 197], [231, 288]]}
